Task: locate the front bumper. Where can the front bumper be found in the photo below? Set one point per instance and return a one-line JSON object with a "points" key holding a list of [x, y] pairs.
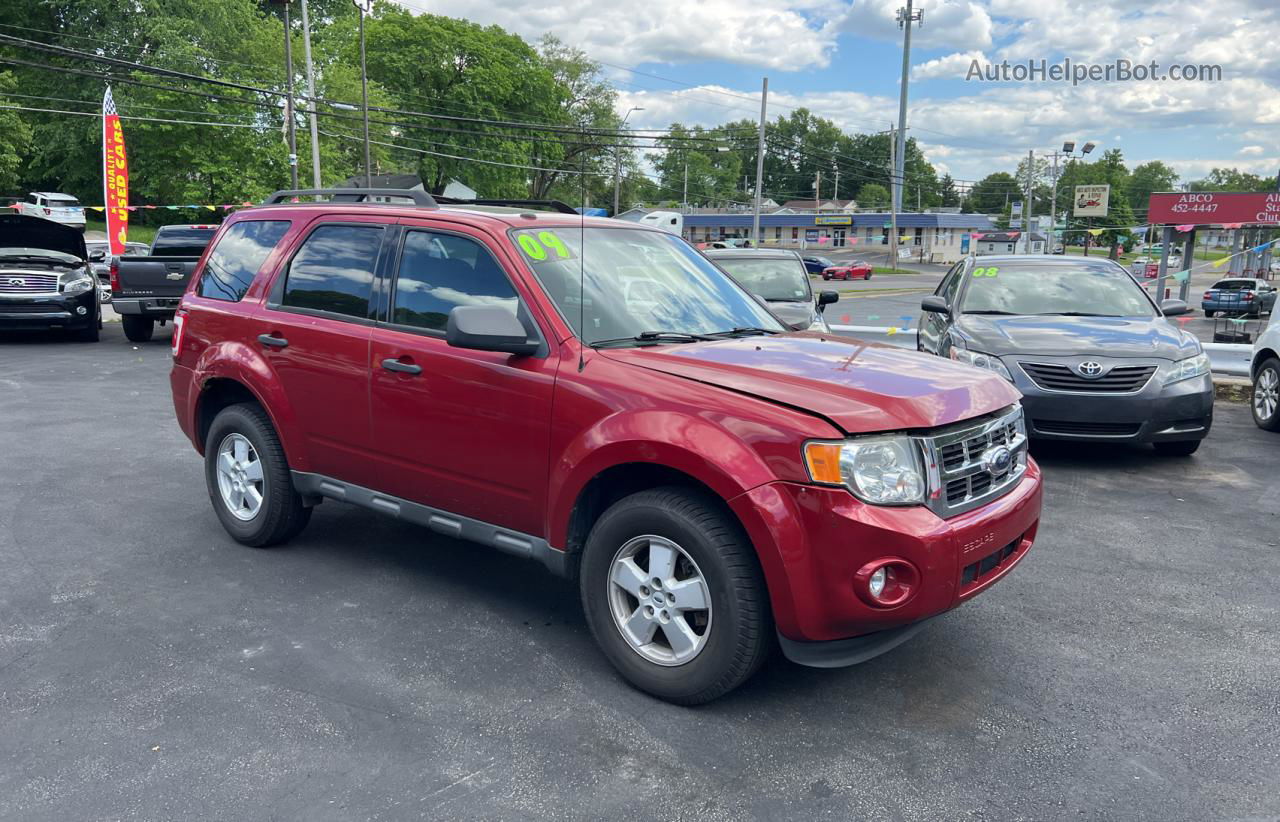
{"points": [[1156, 413], [812, 540], [48, 311]]}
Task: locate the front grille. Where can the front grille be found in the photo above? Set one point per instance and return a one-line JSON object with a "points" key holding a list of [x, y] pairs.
{"points": [[28, 283], [1088, 429], [31, 308], [963, 464], [1121, 379]]}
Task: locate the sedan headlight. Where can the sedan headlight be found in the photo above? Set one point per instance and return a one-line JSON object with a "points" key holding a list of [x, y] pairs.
{"points": [[1196, 366], [990, 362], [76, 283], [878, 470]]}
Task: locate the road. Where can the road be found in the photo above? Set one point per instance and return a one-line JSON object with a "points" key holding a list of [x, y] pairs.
{"points": [[151, 668]]}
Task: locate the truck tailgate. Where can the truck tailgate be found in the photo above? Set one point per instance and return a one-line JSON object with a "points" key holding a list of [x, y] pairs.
{"points": [[153, 276]]}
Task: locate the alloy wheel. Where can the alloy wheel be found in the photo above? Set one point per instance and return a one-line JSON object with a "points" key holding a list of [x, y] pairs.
{"points": [[659, 600], [240, 477], [1266, 394]]}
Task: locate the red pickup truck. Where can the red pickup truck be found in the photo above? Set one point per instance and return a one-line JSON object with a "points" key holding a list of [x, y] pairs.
{"points": [[715, 484]]}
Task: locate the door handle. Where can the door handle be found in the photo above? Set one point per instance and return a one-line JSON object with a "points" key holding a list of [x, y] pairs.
{"points": [[402, 367], [272, 340]]}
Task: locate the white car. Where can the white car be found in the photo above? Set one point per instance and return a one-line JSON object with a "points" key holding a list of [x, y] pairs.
{"points": [[1266, 378], [50, 205]]}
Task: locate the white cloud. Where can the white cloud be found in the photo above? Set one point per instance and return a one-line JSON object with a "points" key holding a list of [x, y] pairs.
{"points": [[1251, 151], [947, 23], [951, 66]]}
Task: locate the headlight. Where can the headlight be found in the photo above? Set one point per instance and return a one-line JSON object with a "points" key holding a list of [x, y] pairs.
{"points": [[990, 362], [1186, 369], [77, 283], [879, 470]]}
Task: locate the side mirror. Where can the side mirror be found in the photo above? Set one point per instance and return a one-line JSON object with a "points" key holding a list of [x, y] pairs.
{"points": [[488, 328], [1171, 308], [826, 298], [935, 304], [97, 256]]}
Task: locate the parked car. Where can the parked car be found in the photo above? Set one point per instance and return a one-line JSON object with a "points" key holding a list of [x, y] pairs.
{"points": [[1265, 372], [58, 208], [816, 265], [146, 289], [710, 481], [777, 276], [853, 270], [1239, 296], [45, 281], [1094, 357]]}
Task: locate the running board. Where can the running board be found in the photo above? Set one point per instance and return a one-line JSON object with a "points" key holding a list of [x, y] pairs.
{"points": [[456, 526]]}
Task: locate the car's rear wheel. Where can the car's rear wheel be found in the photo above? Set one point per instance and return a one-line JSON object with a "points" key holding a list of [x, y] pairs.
{"points": [[248, 478], [1208, 313], [674, 595], [1182, 448], [1266, 395], [137, 328]]}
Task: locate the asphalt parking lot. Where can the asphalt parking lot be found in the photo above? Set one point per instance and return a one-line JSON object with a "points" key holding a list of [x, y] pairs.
{"points": [[151, 668]]}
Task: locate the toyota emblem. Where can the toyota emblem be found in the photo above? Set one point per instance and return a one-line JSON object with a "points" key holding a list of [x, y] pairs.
{"points": [[997, 461], [1089, 368], [18, 281]]}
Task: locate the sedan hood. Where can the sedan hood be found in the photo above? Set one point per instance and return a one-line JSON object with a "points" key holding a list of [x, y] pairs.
{"points": [[797, 314], [22, 231], [861, 387], [1077, 336]]}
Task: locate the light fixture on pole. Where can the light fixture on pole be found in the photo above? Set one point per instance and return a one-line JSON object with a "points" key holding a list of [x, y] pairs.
{"points": [[1068, 152], [365, 6], [617, 158]]}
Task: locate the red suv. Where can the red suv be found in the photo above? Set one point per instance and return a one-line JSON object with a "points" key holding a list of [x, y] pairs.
{"points": [[597, 396]]}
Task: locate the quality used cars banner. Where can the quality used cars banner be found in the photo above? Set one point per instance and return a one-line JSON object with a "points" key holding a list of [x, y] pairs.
{"points": [[115, 175]]}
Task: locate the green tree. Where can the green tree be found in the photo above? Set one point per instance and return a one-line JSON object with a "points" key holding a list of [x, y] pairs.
{"points": [[1148, 178], [15, 138], [992, 194], [947, 191], [873, 195]]}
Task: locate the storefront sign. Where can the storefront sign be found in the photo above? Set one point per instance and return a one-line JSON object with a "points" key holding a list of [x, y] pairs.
{"points": [[1215, 208]]}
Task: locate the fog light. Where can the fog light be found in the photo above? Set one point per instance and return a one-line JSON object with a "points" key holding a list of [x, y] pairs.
{"points": [[876, 583], [81, 310]]}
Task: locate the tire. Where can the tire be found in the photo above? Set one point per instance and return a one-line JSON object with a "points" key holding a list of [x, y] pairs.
{"points": [[138, 328], [91, 332], [1182, 448], [280, 514], [826, 276], [868, 276], [1208, 313], [737, 629], [1265, 403]]}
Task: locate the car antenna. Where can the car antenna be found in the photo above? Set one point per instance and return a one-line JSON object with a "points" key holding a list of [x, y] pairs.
{"points": [[582, 265]]}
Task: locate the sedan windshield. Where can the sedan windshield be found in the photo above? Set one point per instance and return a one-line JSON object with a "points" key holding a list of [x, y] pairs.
{"points": [[619, 283], [776, 279], [1100, 289]]}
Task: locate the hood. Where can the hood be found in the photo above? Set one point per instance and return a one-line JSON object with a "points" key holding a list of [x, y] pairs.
{"points": [[22, 231], [799, 314], [1077, 336], [861, 387]]}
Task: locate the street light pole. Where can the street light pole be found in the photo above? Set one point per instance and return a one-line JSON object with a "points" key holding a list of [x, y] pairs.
{"points": [[617, 169], [755, 217], [288, 106], [906, 16], [364, 99], [311, 94]]}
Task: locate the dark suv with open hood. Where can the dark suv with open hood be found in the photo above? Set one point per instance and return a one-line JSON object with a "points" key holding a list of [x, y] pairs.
{"points": [[1092, 354], [45, 279]]}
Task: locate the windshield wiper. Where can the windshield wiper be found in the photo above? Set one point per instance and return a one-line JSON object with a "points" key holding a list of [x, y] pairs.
{"points": [[992, 311], [654, 338], [1074, 314], [743, 331]]}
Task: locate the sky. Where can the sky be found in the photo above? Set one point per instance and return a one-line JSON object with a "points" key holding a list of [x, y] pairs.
{"points": [[702, 61]]}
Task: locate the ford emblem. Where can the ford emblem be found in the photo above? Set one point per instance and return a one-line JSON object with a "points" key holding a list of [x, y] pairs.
{"points": [[997, 461]]}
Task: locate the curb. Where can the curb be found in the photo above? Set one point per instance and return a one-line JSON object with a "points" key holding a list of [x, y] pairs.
{"points": [[1233, 389]]}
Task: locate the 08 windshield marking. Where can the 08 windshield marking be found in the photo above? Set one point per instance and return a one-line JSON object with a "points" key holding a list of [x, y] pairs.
{"points": [[620, 286], [1100, 289]]}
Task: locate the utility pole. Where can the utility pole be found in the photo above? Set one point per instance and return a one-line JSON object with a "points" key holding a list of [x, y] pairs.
{"points": [[836, 194], [906, 16], [893, 211], [288, 105], [684, 199], [617, 171], [755, 219], [1027, 210], [311, 94], [364, 6], [1053, 209], [817, 192]]}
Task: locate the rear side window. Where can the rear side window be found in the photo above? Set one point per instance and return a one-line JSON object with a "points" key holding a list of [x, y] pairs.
{"points": [[235, 260], [333, 270], [441, 271], [182, 242]]}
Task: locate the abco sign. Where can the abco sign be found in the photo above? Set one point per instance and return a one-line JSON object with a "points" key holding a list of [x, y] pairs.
{"points": [[1215, 208]]}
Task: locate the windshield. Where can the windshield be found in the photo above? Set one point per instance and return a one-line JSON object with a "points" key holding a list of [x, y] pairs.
{"points": [[631, 281], [64, 202], [776, 279], [48, 255], [1099, 289]]}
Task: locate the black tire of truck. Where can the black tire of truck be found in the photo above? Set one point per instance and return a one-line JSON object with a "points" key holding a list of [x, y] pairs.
{"points": [[138, 328], [282, 514]]}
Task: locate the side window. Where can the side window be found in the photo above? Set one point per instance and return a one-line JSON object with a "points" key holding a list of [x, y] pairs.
{"points": [[235, 260], [33, 199], [947, 279], [440, 271], [333, 270], [953, 286]]}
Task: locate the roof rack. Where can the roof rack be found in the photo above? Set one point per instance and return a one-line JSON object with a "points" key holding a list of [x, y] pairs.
{"points": [[552, 205], [353, 195]]}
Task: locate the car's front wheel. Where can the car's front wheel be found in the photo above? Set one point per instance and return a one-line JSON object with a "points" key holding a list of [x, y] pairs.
{"points": [[248, 478], [674, 595], [1266, 395]]}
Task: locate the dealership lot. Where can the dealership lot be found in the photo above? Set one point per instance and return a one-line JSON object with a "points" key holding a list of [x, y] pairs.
{"points": [[151, 668]]}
